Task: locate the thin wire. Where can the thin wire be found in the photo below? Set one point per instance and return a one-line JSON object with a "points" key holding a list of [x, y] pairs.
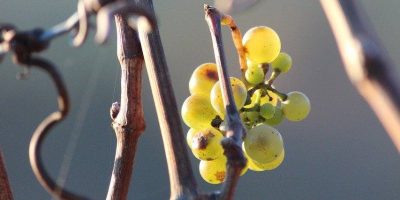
{"points": [[76, 131]]}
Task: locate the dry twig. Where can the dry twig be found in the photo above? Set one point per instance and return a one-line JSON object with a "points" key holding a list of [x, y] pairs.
{"points": [[235, 131], [182, 182], [5, 188], [366, 63]]}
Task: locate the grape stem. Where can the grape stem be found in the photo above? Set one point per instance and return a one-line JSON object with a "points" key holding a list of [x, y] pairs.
{"points": [[366, 63], [227, 20], [5, 187], [235, 131], [267, 87]]}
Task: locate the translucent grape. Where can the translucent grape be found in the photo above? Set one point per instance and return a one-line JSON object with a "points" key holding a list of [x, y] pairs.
{"points": [[276, 119], [203, 79], [255, 166], [206, 144], [296, 107], [254, 74], [214, 171], [283, 62], [263, 143], [262, 44], [239, 94], [267, 110], [197, 111]]}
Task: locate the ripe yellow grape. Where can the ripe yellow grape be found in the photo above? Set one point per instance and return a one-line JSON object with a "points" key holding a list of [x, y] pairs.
{"points": [[262, 44], [203, 79], [239, 94], [206, 144], [296, 107], [255, 166], [214, 171], [197, 111], [263, 143]]}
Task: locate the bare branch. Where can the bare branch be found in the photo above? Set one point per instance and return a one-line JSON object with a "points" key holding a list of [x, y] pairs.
{"points": [[5, 188], [233, 142], [128, 118], [366, 63], [182, 182]]}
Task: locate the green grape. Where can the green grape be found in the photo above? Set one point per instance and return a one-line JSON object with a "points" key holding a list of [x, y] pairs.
{"points": [[283, 62], [239, 94], [254, 74], [255, 166], [214, 171], [262, 44], [296, 107], [203, 79], [197, 111], [252, 116], [263, 143], [276, 119], [206, 144], [267, 110]]}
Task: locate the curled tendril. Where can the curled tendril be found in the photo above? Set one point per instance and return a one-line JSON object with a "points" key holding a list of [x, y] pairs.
{"points": [[105, 14], [82, 29], [22, 44], [43, 130]]}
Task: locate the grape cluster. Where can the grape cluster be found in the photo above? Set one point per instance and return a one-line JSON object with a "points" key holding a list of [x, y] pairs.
{"points": [[260, 104]]}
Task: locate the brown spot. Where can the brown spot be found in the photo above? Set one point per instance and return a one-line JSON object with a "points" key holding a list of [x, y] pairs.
{"points": [[220, 176], [200, 142], [212, 74]]}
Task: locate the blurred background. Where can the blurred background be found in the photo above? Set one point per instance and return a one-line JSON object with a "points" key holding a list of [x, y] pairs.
{"points": [[339, 152]]}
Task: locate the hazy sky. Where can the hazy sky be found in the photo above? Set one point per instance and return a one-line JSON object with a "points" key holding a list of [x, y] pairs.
{"points": [[339, 152]]}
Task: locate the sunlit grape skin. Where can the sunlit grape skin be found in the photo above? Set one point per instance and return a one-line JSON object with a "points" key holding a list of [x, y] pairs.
{"points": [[255, 166], [263, 143], [203, 79], [296, 107], [239, 92], [197, 111], [283, 62], [206, 144], [214, 171], [262, 44]]}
